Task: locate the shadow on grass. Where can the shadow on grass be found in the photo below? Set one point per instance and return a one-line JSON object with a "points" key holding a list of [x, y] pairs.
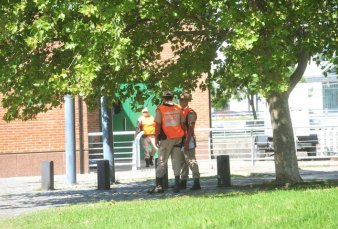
{"points": [[137, 190], [275, 186]]}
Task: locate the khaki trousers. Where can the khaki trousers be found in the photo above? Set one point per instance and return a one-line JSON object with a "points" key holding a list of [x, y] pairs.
{"points": [[189, 161], [167, 148], [147, 143]]}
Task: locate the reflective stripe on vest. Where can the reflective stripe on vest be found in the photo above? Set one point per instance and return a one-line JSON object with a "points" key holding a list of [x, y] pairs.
{"points": [[171, 121], [148, 125]]}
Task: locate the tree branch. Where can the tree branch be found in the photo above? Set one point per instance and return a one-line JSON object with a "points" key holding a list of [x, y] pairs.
{"points": [[298, 73]]}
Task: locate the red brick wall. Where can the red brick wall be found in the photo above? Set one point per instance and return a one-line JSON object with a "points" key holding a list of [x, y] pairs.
{"points": [[94, 121], [200, 99], [200, 103], [24, 145]]}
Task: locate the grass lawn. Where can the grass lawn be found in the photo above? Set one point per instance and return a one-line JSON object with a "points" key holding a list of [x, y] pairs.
{"points": [[279, 208]]}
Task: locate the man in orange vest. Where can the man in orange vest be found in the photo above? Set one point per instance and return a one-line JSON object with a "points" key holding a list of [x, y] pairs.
{"points": [[189, 145], [169, 131], [146, 124]]}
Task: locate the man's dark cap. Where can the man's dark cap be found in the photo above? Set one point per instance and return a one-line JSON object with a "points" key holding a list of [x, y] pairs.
{"points": [[167, 94], [185, 96]]}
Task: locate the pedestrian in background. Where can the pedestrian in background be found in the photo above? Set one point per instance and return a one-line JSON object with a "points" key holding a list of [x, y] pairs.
{"points": [[146, 123]]}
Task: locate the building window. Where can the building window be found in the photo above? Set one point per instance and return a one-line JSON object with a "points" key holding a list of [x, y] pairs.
{"points": [[330, 96]]}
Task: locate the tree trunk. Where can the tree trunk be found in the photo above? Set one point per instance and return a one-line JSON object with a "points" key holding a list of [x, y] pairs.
{"points": [[286, 164], [252, 104]]}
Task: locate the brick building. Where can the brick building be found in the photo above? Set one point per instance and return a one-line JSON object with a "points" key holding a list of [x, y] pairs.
{"points": [[24, 145]]}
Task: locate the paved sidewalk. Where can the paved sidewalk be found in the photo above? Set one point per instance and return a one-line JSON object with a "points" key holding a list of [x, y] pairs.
{"points": [[21, 195]]}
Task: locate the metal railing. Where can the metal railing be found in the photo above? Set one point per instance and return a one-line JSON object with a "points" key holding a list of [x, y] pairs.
{"points": [[124, 154], [137, 151], [243, 144]]}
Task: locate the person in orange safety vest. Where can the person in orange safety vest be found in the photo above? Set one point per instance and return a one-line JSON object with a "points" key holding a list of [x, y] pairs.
{"points": [[146, 123], [189, 145], [170, 129]]}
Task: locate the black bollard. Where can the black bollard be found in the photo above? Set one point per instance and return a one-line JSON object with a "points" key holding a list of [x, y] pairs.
{"points": [[165, 178], [223, 171], [47, 175], [103, 175]]}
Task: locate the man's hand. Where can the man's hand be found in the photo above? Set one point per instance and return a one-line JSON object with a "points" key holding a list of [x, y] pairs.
{"points": [[157, 143]]}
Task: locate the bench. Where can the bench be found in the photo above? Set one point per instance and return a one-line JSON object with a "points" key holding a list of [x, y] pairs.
{"points": [[306, 143]]}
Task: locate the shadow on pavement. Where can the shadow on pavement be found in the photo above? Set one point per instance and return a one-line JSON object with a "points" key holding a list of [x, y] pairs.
{"points": [[137, 190]]}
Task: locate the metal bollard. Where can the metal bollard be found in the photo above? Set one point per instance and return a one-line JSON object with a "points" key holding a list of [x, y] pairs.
{"points": [[223, 171], [103, 175], [47, 175], [165, 178]]}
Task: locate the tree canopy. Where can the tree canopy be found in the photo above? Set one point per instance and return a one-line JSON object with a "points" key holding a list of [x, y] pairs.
{"points": [[266, 47], [51, 48], [92, 48]]}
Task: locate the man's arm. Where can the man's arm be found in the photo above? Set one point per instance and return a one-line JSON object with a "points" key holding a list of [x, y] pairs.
{"points": [[158, 124], [157, 133], [189, 135], [182, 119], [183, 126], [191, 128]]}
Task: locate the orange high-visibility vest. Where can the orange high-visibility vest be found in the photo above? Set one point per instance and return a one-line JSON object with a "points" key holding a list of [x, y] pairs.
{"points": [[171, 121], [185, 113], [148, 125]]}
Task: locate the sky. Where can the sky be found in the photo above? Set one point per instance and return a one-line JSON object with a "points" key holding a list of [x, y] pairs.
{"points": [[313, 70]]}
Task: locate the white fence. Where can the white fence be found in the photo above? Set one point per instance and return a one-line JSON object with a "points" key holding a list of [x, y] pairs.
{"points": [[244, 144]]}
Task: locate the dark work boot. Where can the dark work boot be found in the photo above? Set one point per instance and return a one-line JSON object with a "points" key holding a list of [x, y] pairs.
{"points": [[196, 185], [183, 184], [151, 162], [147, 162], [177, 184], [158, 188]]}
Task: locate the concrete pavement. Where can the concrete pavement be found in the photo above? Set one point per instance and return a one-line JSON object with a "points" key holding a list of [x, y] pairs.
{"points": [[19, 195]]}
